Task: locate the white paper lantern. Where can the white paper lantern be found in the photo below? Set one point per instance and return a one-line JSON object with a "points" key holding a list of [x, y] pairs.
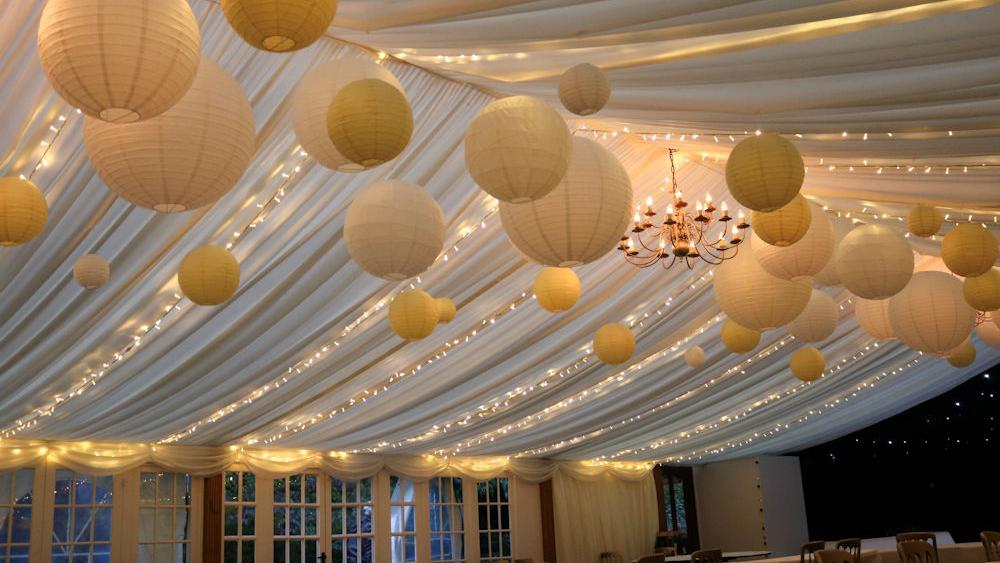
{"points": [[873, 316], [185, 158], [989, 332], [828, 276], [805, 258], [91, 271], [764, 172], [119, 60], [394, 229], [582, 219], [818, 320], [584, 89], [874, 262], [694, 357], [754, 298], [931, 314], [517, 149]]}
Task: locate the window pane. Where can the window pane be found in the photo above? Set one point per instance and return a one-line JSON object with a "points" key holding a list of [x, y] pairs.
{"points": [[310, 489], [232, 488], [295, 488], [280, 520], [165, 488], [23, 484], [182, 529], [249, 482], [231, 521], [249, 521], [147, 490], [20, 526], [279, 490]]}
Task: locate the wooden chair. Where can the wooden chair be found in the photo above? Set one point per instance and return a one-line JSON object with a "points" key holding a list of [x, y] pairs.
{"points": [[524, 561], [707, 556], [808, 549], [612, 557], [657, 558], [916, 551], [929, 537], [991, 544], [852, 546], [834, 556]]}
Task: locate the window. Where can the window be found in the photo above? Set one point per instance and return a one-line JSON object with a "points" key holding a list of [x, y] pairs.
{"points": [[351, 516], [164, 517], [239, 517], [494, 519], [402, 525], [447, 524], [15, 514], [81, 523], [296, 510], [675, 495]]}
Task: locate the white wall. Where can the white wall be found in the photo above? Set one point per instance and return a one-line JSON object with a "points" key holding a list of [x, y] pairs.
{"points": [[526, 520], [784, 504]]}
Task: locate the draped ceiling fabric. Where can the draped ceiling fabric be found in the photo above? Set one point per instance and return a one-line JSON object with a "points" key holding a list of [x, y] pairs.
{"points": [[218, 376]]}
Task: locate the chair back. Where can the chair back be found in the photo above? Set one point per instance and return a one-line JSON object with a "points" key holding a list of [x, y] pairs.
{"points": [[707, 556], [916, 551], [834, 556], [612, 557], [808, 549], [929, 537], [991, 543], [852, 546], [658, 558], [524, 561]]}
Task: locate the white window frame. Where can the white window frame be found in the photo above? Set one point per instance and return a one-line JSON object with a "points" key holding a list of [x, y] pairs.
{"points": [[288, 505], [261, 504], [509, 530], [446, 483], [344, 505], [116, 501]]}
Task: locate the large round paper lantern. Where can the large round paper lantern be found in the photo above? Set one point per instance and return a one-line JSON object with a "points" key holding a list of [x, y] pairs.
{"points": [[209, 275], [311, 102], [807, 364], [694, 357], [614, 343], [983, 292], [584, 89], [765, 172], [23, 211], [394, 229], [819, 319], [828, 276], [517, 149], [963, 356], [873, 316], [805, 258], [969, 250], [784, 226], [185, 158], [91, 271], [119, 60], [931, 315], [989, 332], [739, 339], [413, 314], [924, 220], [446, 309], [754, 298], [582, 219], [370, 122], [874, 262], [557, 289], [280, 25]]}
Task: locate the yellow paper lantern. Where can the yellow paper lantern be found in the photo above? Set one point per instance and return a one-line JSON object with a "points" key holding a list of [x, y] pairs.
{"points": [[828, 276], [209, 275], [557, 289], [924, 220], [804, 259], [614, 343], [738, 338], [969, 250], [370, 122], [818, 320], [983, 292], [23, 211], [754, 298], [873, 316], [694, 357], [119, 60], [413, 314], [807, 364], [874, 262], [91, 271], [988, 331], [584, 89], [517, 149], [765, 172], [785, 226], [446, 309], [963, 356], [931, 315], [280, 25]]}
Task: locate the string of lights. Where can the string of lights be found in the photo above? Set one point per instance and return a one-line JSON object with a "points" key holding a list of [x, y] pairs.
{"points": [[736, 136], [43, 160]]}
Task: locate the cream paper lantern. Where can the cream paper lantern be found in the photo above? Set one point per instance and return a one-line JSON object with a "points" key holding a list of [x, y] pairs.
{"points": [[969, 250], [805, 258], [582, 219], [765, 172], [280, 25], [517, 149], [446, 309], [785, 226], [924, 220], [614, 343], [873, 316], [819, 319], [91, 271], [807, 364], [311, 102], [931, 315], [394, 229], [185, 158], [209, 275], [963, 356], [557, 289], [584, 89], [754, 298], [874, 262], [983, 292], [739, 339], [119, 60], [370, 122], [828, 276], [23, 211], [413, 314], [988, 331], [694, 357]]}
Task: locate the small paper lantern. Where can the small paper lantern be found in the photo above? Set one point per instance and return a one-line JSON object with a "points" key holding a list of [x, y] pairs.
{"points": [[186, 158], [828, 276], [694, 357], [931, 315], [91, 271], [614, 343], [989, 332], [785, 226], [764, 172], [969, 250], [738, 338], [23, 211], [873, 316], [280, 25], [754, 298], [924, 220], [584, 89], [963, 356], [805, 258], [983, 292], [446, 309], [119, 60], [819, 319], [209, 275], [394, 230], [557, 289], [413, 314], [874, 262], [517, 149], [370, 122], [311, 102], [582, 219], [807, 364]]}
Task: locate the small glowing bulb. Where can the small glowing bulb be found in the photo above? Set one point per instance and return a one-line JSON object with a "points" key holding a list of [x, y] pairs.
{"points": [[698, 207], [649, 201], [725, 208], [736, 231], [670, 209], [628, 244], [708, 199], [637, 219], [742, 215], [678, 194]]}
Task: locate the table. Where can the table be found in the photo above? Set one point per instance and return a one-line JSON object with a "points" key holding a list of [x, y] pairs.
{"points": [[726, 556]]}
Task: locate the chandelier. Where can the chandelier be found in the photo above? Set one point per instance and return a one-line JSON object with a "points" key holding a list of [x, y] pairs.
{"points": [[683, 236]]}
